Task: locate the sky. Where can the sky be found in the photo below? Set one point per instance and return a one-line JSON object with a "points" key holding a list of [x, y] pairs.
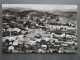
{"points": [[46, 7]]}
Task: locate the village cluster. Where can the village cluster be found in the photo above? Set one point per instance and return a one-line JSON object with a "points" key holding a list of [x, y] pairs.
{"points": [[37, 33]]}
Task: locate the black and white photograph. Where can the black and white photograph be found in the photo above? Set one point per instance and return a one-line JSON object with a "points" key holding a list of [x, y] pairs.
{"points": [[39, 28]]}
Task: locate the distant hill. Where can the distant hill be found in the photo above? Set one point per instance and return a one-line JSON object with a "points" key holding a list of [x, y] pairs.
{"points": [[71, 14]]}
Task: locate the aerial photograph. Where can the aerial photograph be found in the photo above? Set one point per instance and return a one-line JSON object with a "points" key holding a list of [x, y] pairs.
{"points": [[39, 28]]}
